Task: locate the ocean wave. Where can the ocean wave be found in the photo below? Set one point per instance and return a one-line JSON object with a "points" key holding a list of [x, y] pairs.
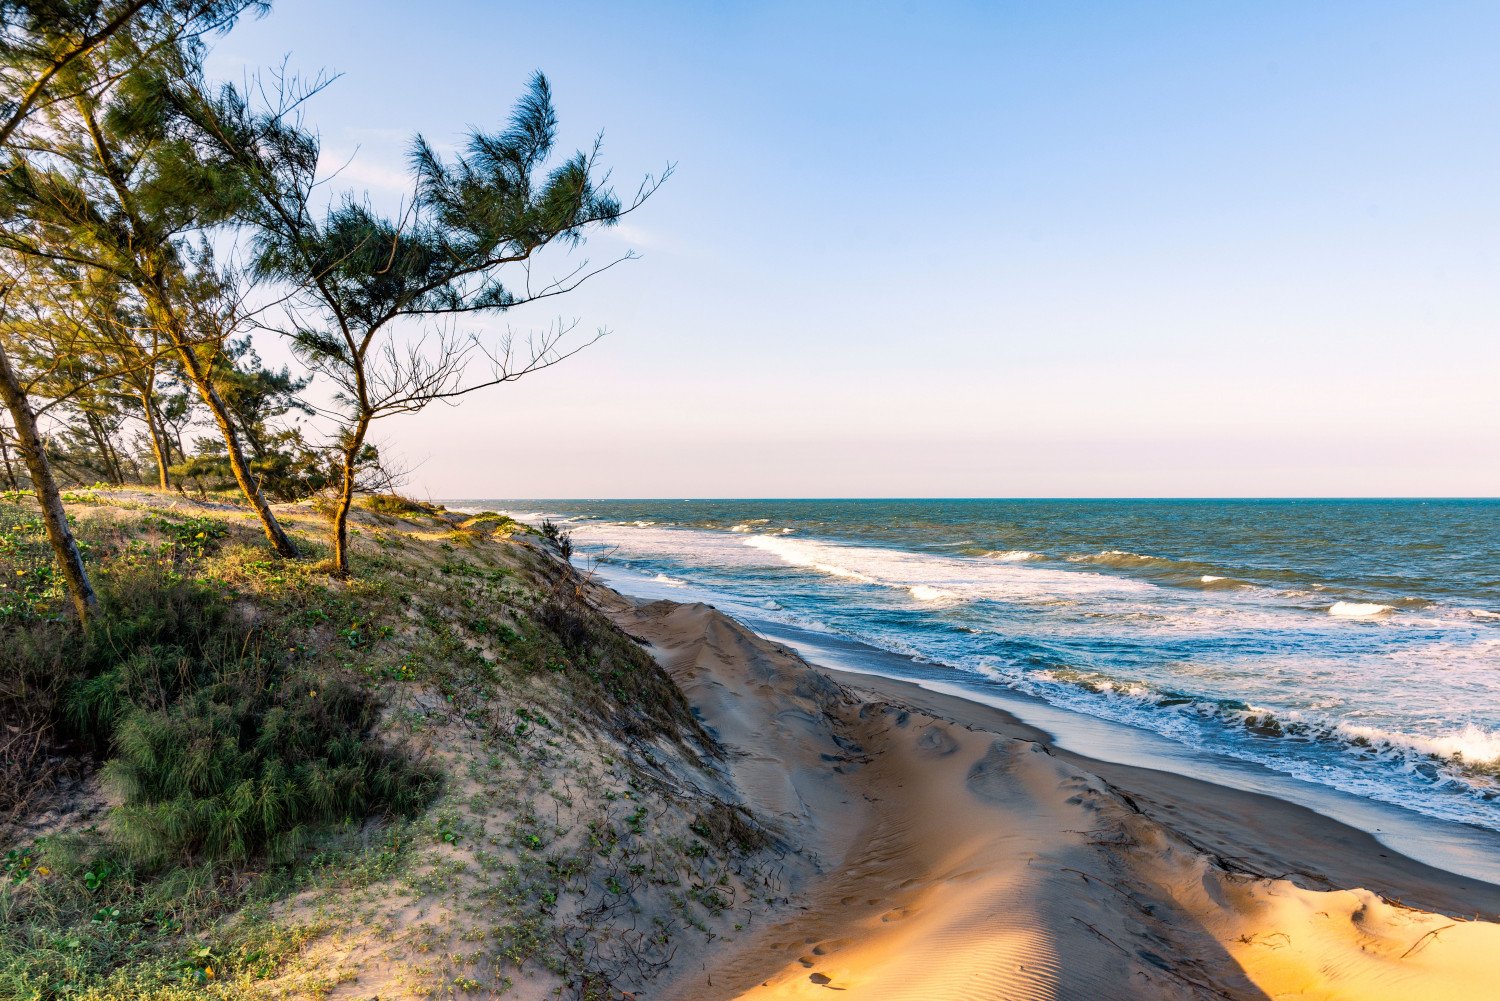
{"points": [[1117, 558], [1358, 609], [956, 577], [1367, 680], [528, 517], [807, 555], [1470, 746], [1413, 601], [1165, 570], [1218, 582], [666, 581], [1465, 759]]}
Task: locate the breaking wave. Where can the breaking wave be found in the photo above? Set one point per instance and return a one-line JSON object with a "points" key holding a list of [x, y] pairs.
{"points": [[1358, 609], [929, 577], [1464, 759]]}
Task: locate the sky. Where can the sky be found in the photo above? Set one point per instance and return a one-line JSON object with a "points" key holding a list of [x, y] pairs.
{"points": [[968, 249]]}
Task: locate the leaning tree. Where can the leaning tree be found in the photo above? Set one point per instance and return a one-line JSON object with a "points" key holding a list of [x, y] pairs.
{"points": [[23, 304], [374, 299]]}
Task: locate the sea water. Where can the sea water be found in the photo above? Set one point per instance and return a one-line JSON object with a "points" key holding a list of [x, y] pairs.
{"points": [[1354, 644]]}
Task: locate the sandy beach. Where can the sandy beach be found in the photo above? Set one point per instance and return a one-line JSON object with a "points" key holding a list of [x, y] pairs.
{"points": [[937, 848]]}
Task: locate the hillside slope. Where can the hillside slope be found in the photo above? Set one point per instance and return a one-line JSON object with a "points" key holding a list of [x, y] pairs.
{"points": [[558, 830]]}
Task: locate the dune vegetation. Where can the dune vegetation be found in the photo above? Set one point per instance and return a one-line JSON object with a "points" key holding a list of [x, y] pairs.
{"points": [[247, 778]]}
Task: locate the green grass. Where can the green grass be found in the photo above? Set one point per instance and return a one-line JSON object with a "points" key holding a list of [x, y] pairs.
{"points": [[249, 715], [234, 747]]}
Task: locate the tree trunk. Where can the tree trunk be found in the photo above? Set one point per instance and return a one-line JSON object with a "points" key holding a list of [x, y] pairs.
{"points": [[159, 446], [346, 499], [54, 515], [152, 285], [10, 473], [111, 470], [192, 365], [114, 456], [249, 485]]}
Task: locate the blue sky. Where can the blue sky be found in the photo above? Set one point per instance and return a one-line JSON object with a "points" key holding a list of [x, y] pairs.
{"points": [[990, 249]]}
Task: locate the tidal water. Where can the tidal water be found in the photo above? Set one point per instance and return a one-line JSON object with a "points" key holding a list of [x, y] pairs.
{"points": [[1350, 644]]}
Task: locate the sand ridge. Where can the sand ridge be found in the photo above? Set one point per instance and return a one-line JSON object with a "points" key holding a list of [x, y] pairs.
{"points": [[934, 860]]}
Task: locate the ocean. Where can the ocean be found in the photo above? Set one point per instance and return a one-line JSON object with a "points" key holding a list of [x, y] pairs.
{"points": [[1351, 644]]}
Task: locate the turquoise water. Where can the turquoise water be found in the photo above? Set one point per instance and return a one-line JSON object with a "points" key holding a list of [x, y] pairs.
{"points": [[1353, 644]]}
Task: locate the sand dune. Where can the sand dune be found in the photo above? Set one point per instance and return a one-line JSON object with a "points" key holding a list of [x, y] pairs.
{"points": [[931, 859]]}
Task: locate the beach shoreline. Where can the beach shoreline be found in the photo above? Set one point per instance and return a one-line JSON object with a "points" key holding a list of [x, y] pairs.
{"points": [[1416, 843], [939, 844], [1076, 616], [1251, 832]]}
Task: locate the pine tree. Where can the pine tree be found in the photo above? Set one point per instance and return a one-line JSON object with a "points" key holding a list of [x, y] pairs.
{"points": [[117, 191], [45, 50], [374, 298]]}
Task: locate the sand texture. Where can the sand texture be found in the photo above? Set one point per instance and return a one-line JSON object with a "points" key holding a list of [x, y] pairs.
{"points": [[932, 857]]}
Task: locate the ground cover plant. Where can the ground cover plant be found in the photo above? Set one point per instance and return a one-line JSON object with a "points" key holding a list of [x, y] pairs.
{"points": [[228, 745], [450, 767]]}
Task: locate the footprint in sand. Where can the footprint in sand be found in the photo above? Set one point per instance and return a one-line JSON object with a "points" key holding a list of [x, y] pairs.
{"points": [[823, 981], [895, 915]]}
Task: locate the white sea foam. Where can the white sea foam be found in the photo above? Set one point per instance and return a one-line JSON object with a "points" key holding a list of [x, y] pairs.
{"points": [[809, 555], [1259, 668], [666, 581], [1358, 609], [1471, 745], [941, 577], [1115, 558]]}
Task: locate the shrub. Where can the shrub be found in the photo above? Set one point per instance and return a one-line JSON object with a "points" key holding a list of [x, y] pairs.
{"points": [[561, 540], [225, 742]]}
